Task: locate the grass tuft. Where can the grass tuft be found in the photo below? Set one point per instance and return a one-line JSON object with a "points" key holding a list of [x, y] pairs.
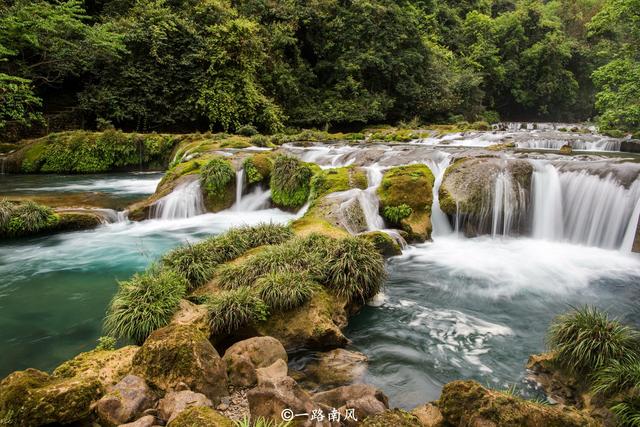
{"points": [[231, 310], [616, 377], [286, 290], [290, 180], [216, 175]]}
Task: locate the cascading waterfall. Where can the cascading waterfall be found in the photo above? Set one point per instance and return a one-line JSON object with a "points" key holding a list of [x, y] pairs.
{"points": [[239, 188], [440, 222], [369, 200], [185, 201], [583, 208], [509, 204]]}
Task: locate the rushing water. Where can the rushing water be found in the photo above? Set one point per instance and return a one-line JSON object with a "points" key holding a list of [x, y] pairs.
{"points": [[55, 289]]}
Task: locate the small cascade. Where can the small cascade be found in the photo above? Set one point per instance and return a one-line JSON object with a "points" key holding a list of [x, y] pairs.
{"points": [[583, 208], [597, 144], [509, 204], [255, 200], [185, 201], [439, 220], [239, 189], [369, 199]]}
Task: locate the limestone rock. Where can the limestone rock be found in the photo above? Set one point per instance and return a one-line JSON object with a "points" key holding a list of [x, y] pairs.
{"points": [[125, 401], [364, 399], [429, 415], [175, 402], [276, 370], [566, 149], [34, 398], [468, 404], [244, 357], [395, 418], [107, 366], [315, 325], [201, 416], [384, 243], [180, 353], [193, 315], [335, 368], [270, 398]]}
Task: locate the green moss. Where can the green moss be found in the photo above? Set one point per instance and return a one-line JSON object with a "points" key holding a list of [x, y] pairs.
{"points": [[329, 181], [395, 417], [258, 167], [384, 244], [290, 182], [26, 219], [217, 178], [201, 416], [395, 214]]}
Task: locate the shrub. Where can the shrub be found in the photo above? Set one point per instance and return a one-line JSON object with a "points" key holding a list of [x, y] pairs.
{"points": [[285, 290], [616, 377], [106, 343], [247, 130], [216, 175], [586, 340], [395, 214], [259, 141], [356, 270], [196, 263], [253, 174], [231, 310], [290, 182], [144, 303]]}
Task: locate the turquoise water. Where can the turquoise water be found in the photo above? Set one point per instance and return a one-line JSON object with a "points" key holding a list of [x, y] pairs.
{"points": [[477, 308]]}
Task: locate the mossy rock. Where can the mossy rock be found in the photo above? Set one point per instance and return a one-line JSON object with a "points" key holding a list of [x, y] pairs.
{"points": [[329, 181], [181, 353], [394, 417], [315, 325], [33, 398], [258, 167], [384, 243], [201, 416], [217, 179], [289, 182], [467, 403], [107, 366], [75, 221], [409, 186]]}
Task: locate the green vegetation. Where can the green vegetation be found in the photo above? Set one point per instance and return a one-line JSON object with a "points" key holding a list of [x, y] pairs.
{"points": [[144, 303], [256, 65], [216, 176], [395, 214], [290, 182], [231, 310], [285, 290], [261, 422], [106, 343], [91, 152], [26, 218], [194, 262], [258, 167]]}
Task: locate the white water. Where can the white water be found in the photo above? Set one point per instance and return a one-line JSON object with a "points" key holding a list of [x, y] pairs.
{"points": [[142, 183], [440, 222], [239, 188], [185, 201], [582, 208], [508, 205]]}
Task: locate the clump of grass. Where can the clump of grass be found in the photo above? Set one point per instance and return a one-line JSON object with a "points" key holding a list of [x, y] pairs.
{"points": [[628, 412], [216, 175], [260, 422], [356, 270], [195, 263], [6, 211], [259, 140], [395, 214], [106, 343], [616, 377], [18, 219], [231, 310], [290, 182], [285, 290], [586, 340], [260, 235], [144, 303], [247, 130]]}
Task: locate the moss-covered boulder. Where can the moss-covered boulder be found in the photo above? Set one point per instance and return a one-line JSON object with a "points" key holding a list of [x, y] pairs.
{"points": [[406, 196], [181, 354], [106, 366], [384, 243], [467, 403], [78, 220], [217, 179], [394, 417], [19, 219], [34, 398], [258, 167], [245, 357], [468, 188], [289, 182], [316, 325], [201, 416]]}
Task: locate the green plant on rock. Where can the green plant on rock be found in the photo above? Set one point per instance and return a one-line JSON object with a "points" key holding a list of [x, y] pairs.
{"points": [[285, 290], [290, 182], [356, 270], [144, 303], [253, 174], [216, 175], [259, 140], [586, 340], [18, 219], [395, 214], [231, 310], [628, 411], [616, 377], [106, 343], [6, 210], [195, 263]]}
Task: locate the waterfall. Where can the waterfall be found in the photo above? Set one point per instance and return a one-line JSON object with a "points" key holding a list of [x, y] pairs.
{"points": [[185, 201], [599, 144], [440, 222], [257, 199], [509, 205], [369, 199], [239, 189], [582, 208]]}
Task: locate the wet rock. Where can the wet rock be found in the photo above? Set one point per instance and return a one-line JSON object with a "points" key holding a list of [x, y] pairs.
{"points": [[175, 402], [429, 415], [467, 403], [125, 401], [244, 357], [180, 353], [566, 149], [384, 243], [34, 398], [315, 325], [193, 315], [636, 241], [270, 398], [557, 386], [146, 421], [107, 366], [201, 416], [274, 371], [363, 399], [395, 418], [336, 368]]}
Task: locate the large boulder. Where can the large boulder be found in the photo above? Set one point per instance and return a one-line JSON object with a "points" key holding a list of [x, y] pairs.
{"points": [[201, 416], [365, 400], [244, 357], [274, 371], [125, 401], [34, 398], [182, 354], [315, 325], [174, 402], [335, 368], [106, 366], [273, 396], [468, 404], [408, 186]]}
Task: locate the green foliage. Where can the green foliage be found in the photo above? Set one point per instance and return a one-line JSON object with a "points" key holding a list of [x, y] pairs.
{"points": [[144, 303], [106, 343], [628, 412], [260, 422], [18, 103], [216, 175], [247, 130], [395, 214], [27, 218], [617, 377], [195, 263], [618, 99], [253, 174], [260, 141], [285, 290], [290, 182], [231, 310], [586, 340]]}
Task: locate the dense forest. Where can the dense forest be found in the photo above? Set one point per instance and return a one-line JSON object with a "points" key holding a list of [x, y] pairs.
{"points": [[177, 65]]}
